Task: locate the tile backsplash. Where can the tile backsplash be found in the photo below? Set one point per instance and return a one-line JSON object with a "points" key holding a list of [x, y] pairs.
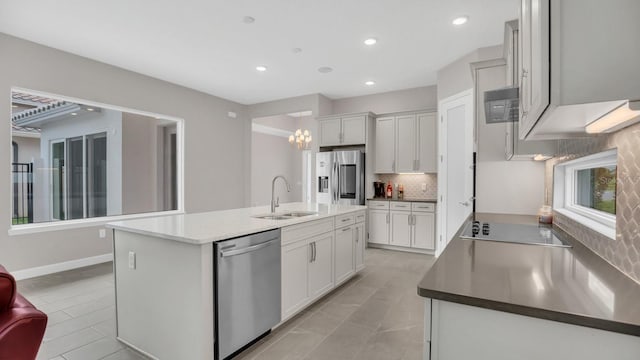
{"points": [[412, 184], [624, 251]]}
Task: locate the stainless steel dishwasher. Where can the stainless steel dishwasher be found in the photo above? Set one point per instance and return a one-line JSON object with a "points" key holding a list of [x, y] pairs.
{"points": [[247, 290]]}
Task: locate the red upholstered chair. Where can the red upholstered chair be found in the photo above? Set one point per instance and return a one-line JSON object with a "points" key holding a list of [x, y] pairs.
{"points": [[21, 324]]}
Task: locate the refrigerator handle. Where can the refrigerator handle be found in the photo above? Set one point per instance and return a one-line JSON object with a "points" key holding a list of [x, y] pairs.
{"points": [[334, 180]]}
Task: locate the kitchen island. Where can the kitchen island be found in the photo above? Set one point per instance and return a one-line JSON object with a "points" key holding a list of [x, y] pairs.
{"points": [[164, 269], [498, 300]]}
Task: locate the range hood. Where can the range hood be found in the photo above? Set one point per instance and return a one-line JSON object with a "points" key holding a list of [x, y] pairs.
{"points": [[501, 105]]}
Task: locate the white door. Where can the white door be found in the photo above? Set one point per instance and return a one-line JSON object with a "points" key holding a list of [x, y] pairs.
{"points": [[379, 226], [321, 266], [330, 131], [295, 262], [400, 228], [384, 146], [424, 230], [359, 246], [455, 172], [354, 130], [406, 138], [344, 266]]}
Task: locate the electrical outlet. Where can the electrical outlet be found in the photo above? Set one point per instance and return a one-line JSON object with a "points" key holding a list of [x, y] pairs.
{"points": [[132, 260], [424, 186], [102, 233]]}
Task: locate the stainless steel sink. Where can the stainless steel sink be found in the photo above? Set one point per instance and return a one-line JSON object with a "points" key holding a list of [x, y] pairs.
{"points": [[273, 217], [285, 216], [300, 213]]}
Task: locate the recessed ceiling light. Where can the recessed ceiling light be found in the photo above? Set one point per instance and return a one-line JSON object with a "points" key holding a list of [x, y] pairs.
{"points": [[89, 109], [261, 68], [296, 50], [370, 41], [74, 114], [14, 106], [248, 20], [460, 20], [325, 69], [370, 83]]}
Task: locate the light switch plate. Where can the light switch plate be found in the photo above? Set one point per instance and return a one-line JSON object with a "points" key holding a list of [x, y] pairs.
{"points": [[102, 233], [132, 260], [424, 186]]}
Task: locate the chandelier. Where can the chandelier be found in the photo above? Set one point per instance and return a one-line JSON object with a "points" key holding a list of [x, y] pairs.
{"points": [[301, 138]]}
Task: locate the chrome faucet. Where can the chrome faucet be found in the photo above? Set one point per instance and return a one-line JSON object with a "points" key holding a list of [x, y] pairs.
{"points": [[275, 203]]}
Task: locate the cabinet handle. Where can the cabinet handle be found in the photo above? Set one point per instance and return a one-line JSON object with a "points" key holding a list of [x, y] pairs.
{"points": [[345, 220], [346, 229], [387, 218], [357, 235], [311, 252], [314, 251], [393, 166], [524, 76], [409, 220]]}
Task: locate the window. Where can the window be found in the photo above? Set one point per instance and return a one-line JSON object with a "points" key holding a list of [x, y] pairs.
{"points": [[585, 191], [89, 161]]}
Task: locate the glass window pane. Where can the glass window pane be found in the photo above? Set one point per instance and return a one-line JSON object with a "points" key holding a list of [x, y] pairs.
{"points": [[57, 177], [75, 179], [97, 175], [596, 188]]}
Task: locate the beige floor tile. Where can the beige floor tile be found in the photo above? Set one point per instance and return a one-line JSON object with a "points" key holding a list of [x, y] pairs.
{"points": [[67, 343], [344, 343], [295, 345], [95, 350]]}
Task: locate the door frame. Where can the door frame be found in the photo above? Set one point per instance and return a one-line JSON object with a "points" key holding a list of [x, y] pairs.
{"points": [[465, 98]]}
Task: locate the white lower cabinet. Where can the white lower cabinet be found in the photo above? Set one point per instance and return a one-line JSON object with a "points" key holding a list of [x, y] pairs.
{"points": [[316, 257], [321, 265], [409, 225], [345, 262], [400, 228], [359, 246]]}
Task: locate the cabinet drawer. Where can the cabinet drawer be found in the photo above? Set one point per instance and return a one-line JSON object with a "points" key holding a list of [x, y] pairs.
{"points": [[397, 205], [344, 220], [425, 207], [294, 233], [378, 205], [360, 217]]}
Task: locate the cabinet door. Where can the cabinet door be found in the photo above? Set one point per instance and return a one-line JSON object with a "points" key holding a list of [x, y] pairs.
{"points": [[406, 150], [427, 143], [359, 246], [379, 226], [385, 146], [354, 130], [344, 261], [330, 130], [295, 262], [424, 231], [321, 266], [535, 75], [400, 228]]}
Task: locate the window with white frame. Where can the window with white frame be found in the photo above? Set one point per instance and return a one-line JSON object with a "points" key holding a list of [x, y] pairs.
{"points": [[82, 162], [585, 191]]}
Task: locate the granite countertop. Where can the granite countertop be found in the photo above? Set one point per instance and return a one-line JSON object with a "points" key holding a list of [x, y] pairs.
{"points": [[571, 285], [207, 227], [404, 200]]}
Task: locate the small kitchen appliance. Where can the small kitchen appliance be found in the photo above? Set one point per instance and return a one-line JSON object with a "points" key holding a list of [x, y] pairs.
{"points": [[378, 189]]}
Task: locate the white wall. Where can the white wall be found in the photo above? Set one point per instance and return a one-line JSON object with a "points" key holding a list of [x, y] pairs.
{"points": [[215, 145], [420, 98], [456, 77], [28, 148]]}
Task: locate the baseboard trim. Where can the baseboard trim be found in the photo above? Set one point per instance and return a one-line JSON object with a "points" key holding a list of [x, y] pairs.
{"points": [[400, 248], [63, 266]]}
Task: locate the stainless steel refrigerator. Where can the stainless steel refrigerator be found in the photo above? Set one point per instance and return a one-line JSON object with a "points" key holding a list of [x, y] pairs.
{"points": [[340, 177]]}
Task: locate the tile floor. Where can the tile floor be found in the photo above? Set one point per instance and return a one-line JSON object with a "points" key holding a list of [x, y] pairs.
{"points": [[375, 315]]}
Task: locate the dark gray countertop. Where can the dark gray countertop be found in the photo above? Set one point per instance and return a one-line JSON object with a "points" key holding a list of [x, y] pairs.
{"points": [[571, 285], [404, 200]]}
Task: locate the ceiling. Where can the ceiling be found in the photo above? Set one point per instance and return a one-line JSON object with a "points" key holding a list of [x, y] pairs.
{"points": [[206, 45]]}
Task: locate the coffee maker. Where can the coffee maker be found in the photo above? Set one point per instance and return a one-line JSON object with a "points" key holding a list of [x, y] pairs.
{"points": [[378, 187]]}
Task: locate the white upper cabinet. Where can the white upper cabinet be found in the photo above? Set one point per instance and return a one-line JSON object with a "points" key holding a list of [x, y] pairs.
{"points": [[406, 139], [330, 130], [406, 143], [343, 130], [385, 145], [578, 62], [427, 143]]}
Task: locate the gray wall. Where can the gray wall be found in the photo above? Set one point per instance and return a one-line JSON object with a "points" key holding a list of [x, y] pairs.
{"points": [[215, 145], [456, 77], [28, 148], [139, 165], [420, 98]]}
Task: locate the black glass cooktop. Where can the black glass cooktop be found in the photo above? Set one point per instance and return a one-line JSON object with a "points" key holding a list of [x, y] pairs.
{"points": [[514, 233]]}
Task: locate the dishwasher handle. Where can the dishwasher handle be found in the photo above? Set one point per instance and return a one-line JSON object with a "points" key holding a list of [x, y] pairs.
{"points": [[247, 249]]}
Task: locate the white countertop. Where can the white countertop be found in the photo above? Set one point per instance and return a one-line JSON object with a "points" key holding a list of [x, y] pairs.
{"points": [[206, 227]]}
